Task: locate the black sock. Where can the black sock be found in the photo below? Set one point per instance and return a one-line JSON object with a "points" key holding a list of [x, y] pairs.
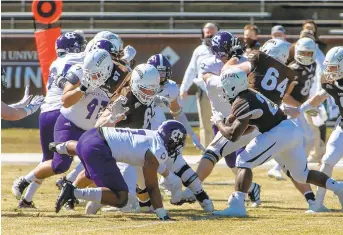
{"points": [[309, 196], [201, 196]]}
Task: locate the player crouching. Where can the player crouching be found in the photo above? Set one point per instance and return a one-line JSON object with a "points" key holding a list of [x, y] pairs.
{"points": [[251, 109], [99, 149]]}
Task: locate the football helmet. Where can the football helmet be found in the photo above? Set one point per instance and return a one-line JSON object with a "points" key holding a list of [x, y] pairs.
{"points": [[114, 38], [97, 67], [333, 64], [221, 44], [69, 42], [305, 45], [105, 44], [173, 134], [234, 81], [276, 48], [162, 64], [145, 83]]}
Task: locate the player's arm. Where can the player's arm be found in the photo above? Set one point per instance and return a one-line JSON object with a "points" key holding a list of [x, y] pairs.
{"points": [[234, 130], [288, 99], [71, 94], [245, 66], [12, 114], [151, 182], [114, 113]]}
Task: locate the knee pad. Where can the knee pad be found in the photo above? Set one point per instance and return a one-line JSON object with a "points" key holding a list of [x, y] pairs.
{"points": [[186, 174], [61, 163]]}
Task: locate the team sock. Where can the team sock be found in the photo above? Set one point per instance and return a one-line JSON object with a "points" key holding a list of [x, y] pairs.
{"points": [[74, 173], [309, 195], [30, 177], [31, 190], [89, 194]]}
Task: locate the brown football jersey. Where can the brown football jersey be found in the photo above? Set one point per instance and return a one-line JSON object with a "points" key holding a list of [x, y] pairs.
{"points": [[269, 76], [305, 75], [116, 80], [265, 114], [336, 91]]}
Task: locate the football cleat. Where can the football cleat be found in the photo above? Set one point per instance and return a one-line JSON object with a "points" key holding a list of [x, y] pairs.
{"points": [[340, 198], [187, 197], [254, 196], [52, 146], [273, 173], [60, 182], [92, 208], [207, 205], [19, 186], [315, 208], [235, 209], [66, 195], [25, 204]]}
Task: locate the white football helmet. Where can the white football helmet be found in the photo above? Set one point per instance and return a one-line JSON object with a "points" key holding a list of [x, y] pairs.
{"points": [[234, 80], [276, 48], [145, 83], [333, 64], [97, 67], [305, 45], [89, 46], [114, 38]]}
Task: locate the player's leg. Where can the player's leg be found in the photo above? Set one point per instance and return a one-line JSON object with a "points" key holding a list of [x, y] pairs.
{"points": [[204, 106], [334, 152], [47, 122], [101, 168]]}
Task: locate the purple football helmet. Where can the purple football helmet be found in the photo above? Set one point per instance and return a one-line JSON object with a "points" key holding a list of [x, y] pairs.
{"points": [[69, 42], [106, 45], [173, 134], [221, 44], [162, 64]]}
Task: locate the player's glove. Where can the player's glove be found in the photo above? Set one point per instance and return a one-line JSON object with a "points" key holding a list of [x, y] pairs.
{"points": [[162, 214], [34, 105], [24, 101], [216, 117], [236, 49], [129, 53], [196, 142], [161, 101]]}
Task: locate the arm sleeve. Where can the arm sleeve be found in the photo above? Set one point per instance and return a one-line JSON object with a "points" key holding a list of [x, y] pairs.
{"points": [[191, 72], [74, 74], [253, 58]]}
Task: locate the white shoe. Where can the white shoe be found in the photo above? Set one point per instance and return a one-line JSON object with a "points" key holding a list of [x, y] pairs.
{"points": [[174, 185], [188, 196], [340, 197], [131, 206], [207, 205], [235, 209], [163, 186], [19, 186], [272, 173], [315, 208], [92, 208]]}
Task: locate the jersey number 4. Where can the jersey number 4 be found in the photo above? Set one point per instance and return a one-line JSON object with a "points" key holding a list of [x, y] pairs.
{"points": [[270, 82]]}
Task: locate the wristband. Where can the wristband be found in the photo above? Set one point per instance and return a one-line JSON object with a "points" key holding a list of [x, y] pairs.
{"points": [[82, 88], [305, 107], [28, 111]]}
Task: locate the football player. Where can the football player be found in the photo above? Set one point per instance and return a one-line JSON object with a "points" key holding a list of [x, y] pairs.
{"points": [[305, 67], [251, 110], [224, 46], [168, 97], [332, 83], [68, 48], [99, 152], [82, 100]]}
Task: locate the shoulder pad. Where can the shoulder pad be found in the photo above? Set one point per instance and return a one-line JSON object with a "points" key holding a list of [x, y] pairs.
{"points": [[75, 74], [211, 65]]}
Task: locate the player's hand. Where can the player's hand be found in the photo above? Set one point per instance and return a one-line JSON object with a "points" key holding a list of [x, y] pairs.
{"points": [[24, 101], [216, 117], [34, 105], [197, 143], [292, 112], [161, 101], [236, 49], [183, 95], [162, 214], [129, 53]]}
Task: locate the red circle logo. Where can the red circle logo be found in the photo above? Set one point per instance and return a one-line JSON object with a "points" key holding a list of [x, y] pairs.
{"points": [[46, 11]]}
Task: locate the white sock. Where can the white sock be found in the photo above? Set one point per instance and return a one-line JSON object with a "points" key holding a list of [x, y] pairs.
{"points": [[31, 191], [252, 186], [74, 173], [196, 186], [89, 194], [333, 185], [277, 167], [30, 177], [320, 195], [62, 148]]}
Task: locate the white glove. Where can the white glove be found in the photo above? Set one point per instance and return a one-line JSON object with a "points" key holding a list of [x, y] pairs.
{"points": [[34, 105], [129, 53], [161, 101], [117, 111], [162, 214], [24, 101], [216, 117], [197, 143]]}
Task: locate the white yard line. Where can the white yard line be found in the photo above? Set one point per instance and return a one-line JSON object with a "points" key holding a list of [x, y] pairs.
{"points": [[17, 158]]}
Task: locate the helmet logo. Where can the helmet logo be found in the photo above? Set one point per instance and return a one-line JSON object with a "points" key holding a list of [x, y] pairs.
{"points": [[69, 35], [215, 40], [340, 58], [140, 73], [176, 135], [101, 59]]}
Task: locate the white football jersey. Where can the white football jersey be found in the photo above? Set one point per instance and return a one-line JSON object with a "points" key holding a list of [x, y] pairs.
{"points": [[170, 90], [214, 86], [87, 110], [130, 145], [58, 68]]}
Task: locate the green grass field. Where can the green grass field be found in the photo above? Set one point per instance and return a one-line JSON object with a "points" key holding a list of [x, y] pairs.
{"points": [[282, 212]]}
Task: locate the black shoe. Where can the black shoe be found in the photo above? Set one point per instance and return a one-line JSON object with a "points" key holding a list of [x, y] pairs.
{"points": [[66, 195], [19, 186], [25, 204], [52, 146], [59, 182]]}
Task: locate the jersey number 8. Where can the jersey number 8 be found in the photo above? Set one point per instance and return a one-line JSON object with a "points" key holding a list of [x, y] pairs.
{"points": [[270, 82]]}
